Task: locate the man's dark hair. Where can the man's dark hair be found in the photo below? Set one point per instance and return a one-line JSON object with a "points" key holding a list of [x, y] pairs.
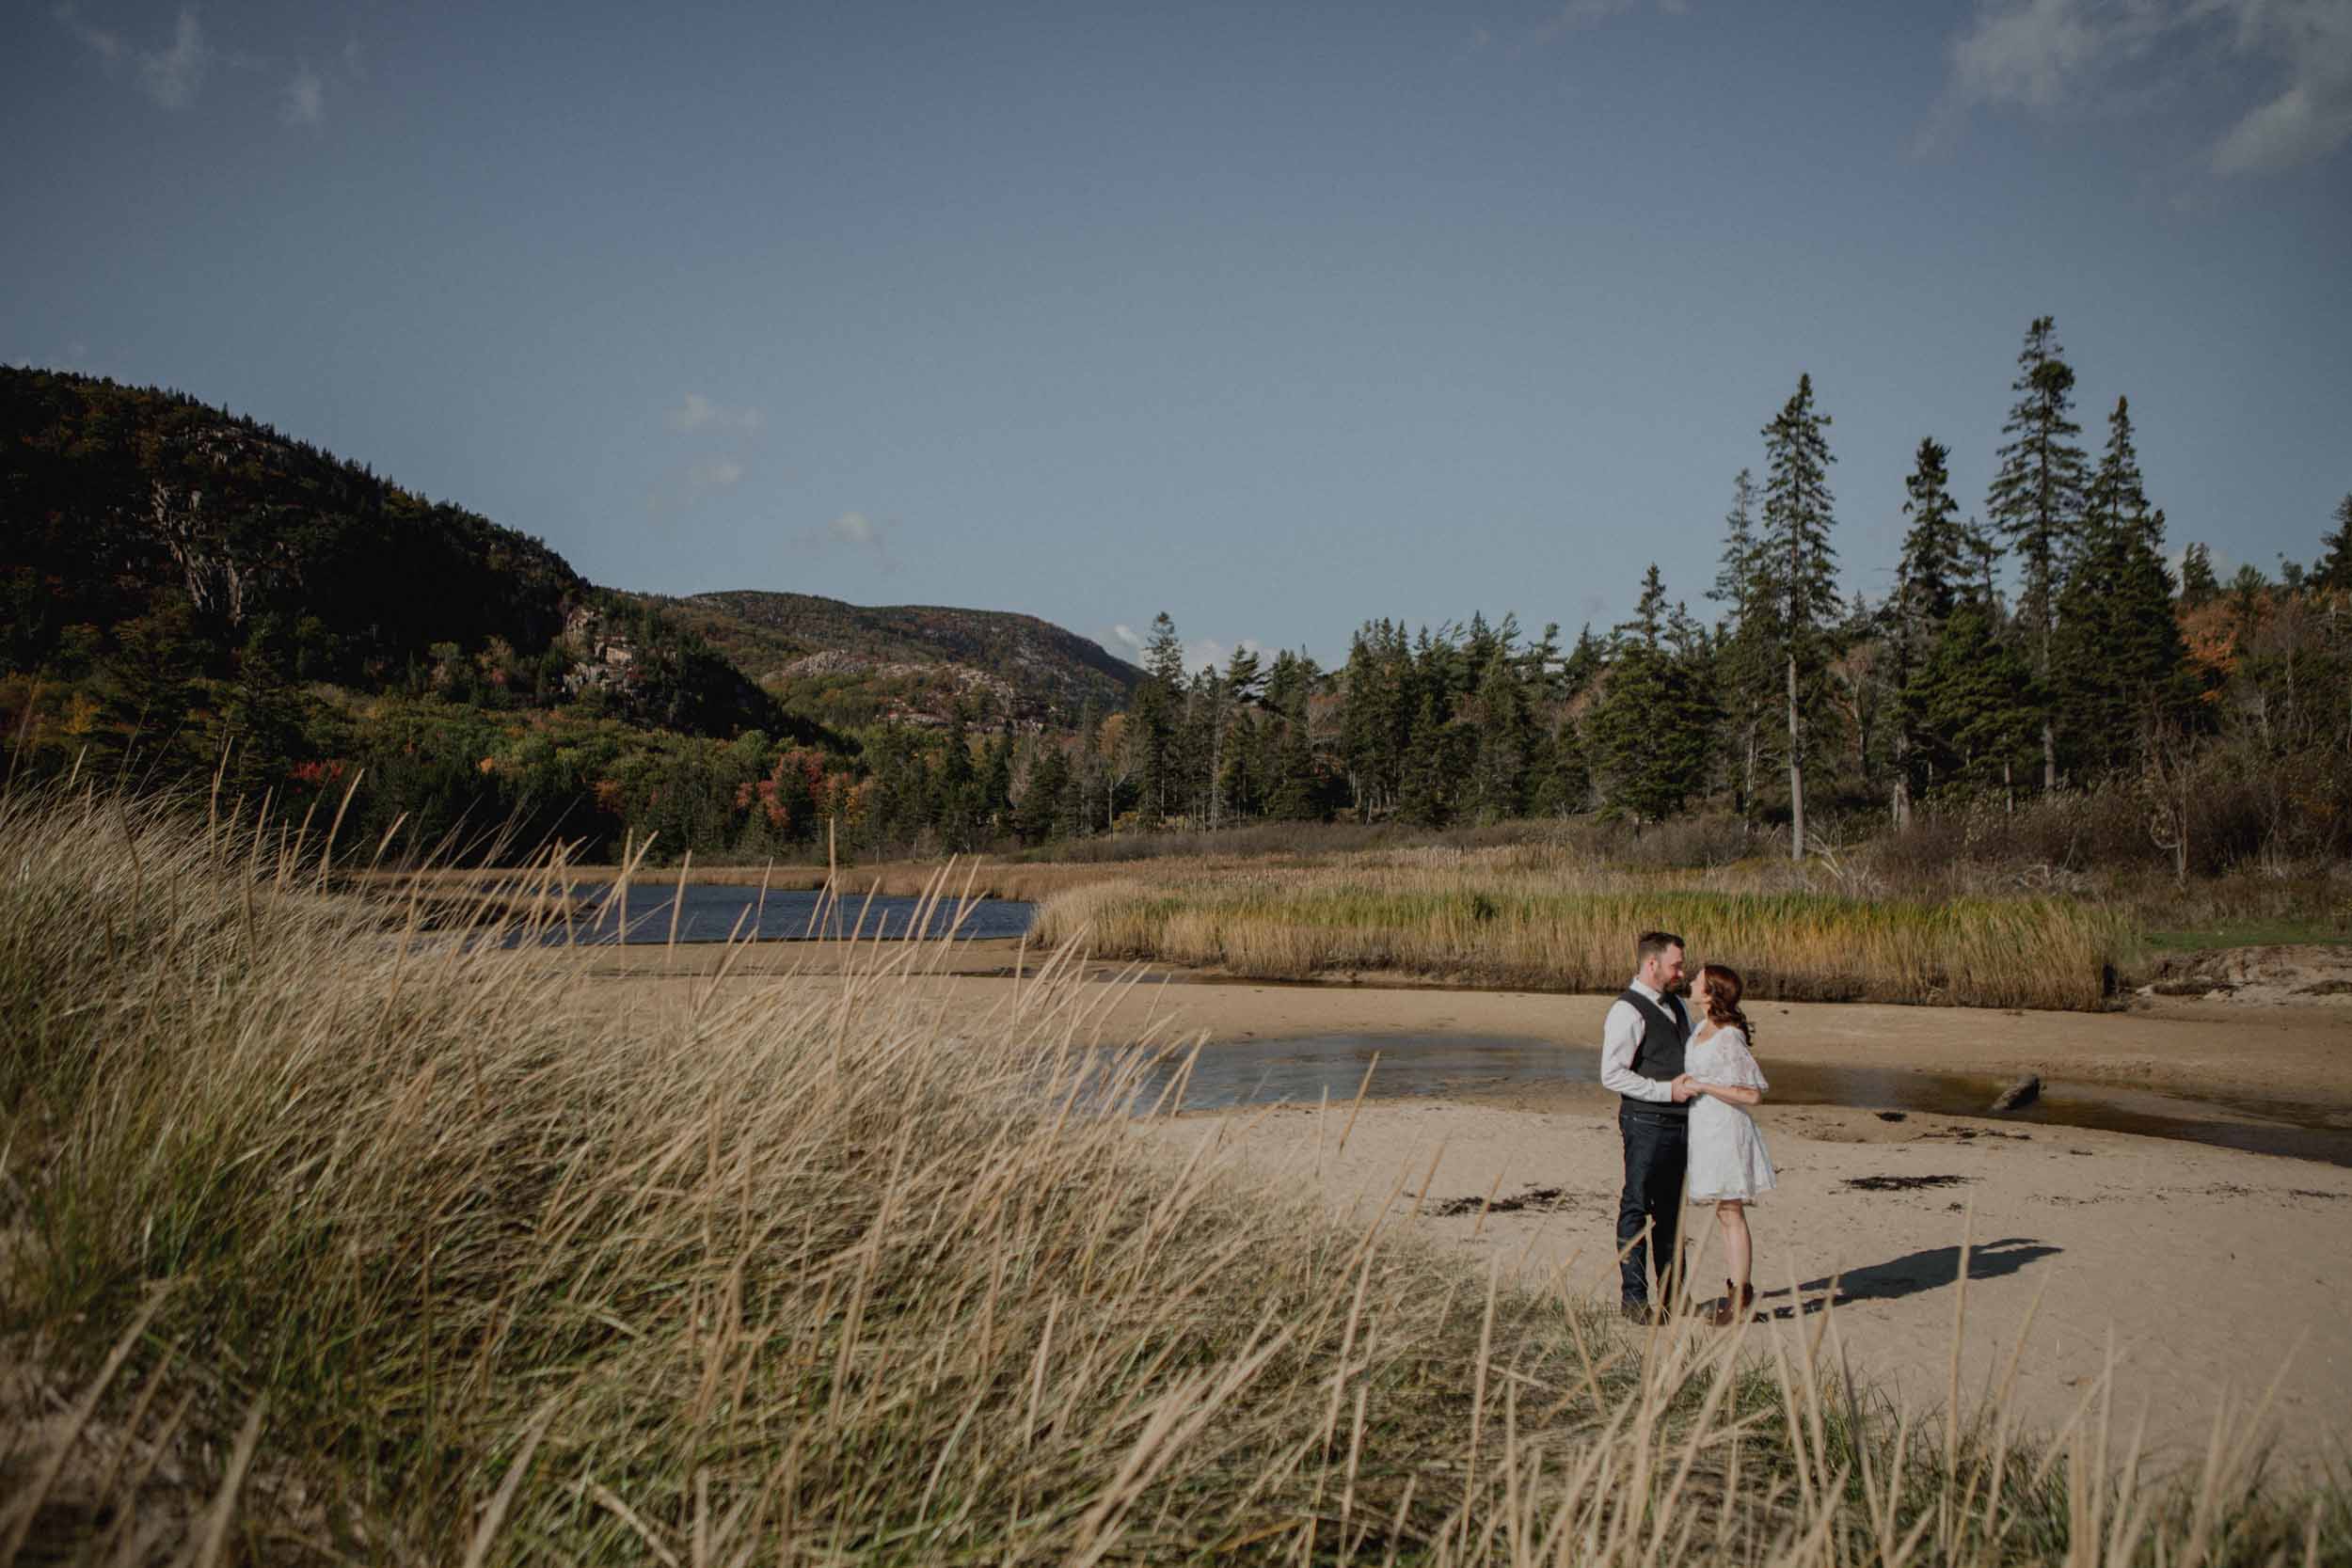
{"points": [[1654, 944]]}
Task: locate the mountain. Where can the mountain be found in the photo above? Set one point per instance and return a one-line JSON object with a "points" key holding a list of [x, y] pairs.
{"points": [[142, 530], [135, 519], [114, 497], [850, 664]]}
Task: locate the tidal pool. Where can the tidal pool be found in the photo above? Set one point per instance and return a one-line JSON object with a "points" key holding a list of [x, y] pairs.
{"points": [[1304, 1070]]}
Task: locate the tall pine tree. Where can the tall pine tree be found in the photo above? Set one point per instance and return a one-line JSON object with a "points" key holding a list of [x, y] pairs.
{"points": [[1746, 674], [1798, 570], [2121, 666], [1156, 720], [2036, 501], [1928, 580]]}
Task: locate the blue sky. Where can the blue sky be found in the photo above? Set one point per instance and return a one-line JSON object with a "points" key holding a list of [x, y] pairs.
{"points": [[1275, 317]]}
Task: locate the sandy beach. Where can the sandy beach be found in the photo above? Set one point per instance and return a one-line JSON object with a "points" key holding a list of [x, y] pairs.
{"points": [[2205, 1270]]}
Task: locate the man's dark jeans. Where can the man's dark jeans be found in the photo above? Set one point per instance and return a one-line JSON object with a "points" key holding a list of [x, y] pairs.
{"points": [[1657, 1148]]}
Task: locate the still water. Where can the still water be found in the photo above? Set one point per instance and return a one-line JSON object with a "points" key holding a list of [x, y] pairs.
{"points": [[711, 913], [1304, 1070]]}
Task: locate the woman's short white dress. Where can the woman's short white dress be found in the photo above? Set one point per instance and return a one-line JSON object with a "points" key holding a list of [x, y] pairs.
{"points": [[1728, 1157]]}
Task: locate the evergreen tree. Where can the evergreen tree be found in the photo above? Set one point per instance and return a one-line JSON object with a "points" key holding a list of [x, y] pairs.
{"points": [[1290, 682], [994, 786], [1585, 663], [1295, 797], [1244, 676], [1929, 581], [2333, 574], [1979, 711], [1649, 611], [1647, 759], [1566, 784], [1745, 667], [1798, 570], [2121, 664], [1243, 784], [1376, 724], [1428, 796], [1646, 753], [2037, 501], [1044, 798], [1224, 694], [1155, 717], [261, 718], [1539, 664], [955, 804], [1504, 737], [2199, 586]]}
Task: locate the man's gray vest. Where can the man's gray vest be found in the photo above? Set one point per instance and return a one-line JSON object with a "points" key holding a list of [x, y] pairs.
{"points": [[1664, 1034]]}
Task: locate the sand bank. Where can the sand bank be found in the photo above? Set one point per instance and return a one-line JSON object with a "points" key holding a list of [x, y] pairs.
{"points": [[2207, 1268], [2207, 1271]]}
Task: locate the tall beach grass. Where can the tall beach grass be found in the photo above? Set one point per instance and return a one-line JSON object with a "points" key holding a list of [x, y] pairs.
{"points": [[1574, 931], [324, 1243]]}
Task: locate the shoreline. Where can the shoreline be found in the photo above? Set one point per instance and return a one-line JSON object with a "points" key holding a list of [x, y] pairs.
{"points": [[2205, 1264], [2215, 1049]]}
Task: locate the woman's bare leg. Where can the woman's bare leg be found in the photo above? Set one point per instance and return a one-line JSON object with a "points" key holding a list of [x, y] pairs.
{"points": [[1738, 1249]]}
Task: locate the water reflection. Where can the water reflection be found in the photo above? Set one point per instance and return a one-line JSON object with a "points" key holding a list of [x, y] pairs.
{"points": [[1305, 1069], [715, 912]]}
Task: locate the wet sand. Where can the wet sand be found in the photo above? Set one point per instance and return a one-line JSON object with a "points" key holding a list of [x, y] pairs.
{"points": [[2207, 1268]]}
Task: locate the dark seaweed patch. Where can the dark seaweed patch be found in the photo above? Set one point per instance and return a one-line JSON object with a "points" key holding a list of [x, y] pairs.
{"points": [[1900, 1183]]}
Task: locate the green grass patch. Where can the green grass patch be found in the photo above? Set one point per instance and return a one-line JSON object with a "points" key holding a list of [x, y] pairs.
{"points": [[2313, 930]]}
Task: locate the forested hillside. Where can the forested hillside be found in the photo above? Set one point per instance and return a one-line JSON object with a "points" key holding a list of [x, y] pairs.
{"points": [[122, 503], [186, 590], [852, 664]]}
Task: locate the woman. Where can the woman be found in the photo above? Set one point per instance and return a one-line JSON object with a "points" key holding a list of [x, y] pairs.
{"points": [[1728, 1165]]}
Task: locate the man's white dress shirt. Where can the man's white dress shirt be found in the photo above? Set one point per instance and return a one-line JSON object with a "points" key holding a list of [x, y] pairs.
{"points": [[1621, 1036]]}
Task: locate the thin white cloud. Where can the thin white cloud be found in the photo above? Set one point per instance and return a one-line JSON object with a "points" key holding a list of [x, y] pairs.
{"points": [[2311, 116], [698, 412], [355, 59], [1126, 634], [714, 473], [1578, 14], [2029, 54], [857, 531], [304, 98], [2045, 54], [106, 45], [171, 76]]}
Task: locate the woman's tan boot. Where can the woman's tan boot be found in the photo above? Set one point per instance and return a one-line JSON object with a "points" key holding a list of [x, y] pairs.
{"points": [[1735, 1305]]}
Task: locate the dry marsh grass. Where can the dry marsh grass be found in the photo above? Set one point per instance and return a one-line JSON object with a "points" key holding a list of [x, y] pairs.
{"points": [[1571, 929], [325, 1243]]}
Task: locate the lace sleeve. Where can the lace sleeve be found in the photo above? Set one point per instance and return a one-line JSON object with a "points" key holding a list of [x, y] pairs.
{"points": [[1739, 1068]]}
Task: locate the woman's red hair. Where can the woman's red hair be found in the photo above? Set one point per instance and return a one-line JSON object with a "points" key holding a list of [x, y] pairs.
{"points": [[1719, 986]]}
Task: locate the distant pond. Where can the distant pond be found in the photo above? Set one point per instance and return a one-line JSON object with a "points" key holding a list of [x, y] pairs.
{"points": [[712, 912]]}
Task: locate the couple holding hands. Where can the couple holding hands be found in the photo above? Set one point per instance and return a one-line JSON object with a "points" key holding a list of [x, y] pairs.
{"points": [[1684, 1092]]}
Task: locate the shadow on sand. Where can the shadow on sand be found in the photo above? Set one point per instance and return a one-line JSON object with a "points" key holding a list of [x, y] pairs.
{"points": [[1935, 1269]]}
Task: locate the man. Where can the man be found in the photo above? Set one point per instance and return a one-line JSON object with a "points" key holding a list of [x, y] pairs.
{"points": [[1640, 1060]]}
